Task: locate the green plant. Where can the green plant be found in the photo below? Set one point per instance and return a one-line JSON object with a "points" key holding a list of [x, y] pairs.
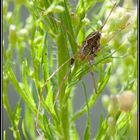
{"points": [[56, 27]]}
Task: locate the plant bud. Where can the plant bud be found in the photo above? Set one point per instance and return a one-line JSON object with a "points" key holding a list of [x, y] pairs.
{"points": [[111, 126], [126, 101], [114, 99], [58, 9], [29, 23], [75, 19], [38, 40], [113, 107], [9, 17], [112, 110], [105, 100], [111, 122], [119, 12], [54, 9], [85, 21], [23, 33], [104, 39], [12, 34], [124, 20], [31, 3]]}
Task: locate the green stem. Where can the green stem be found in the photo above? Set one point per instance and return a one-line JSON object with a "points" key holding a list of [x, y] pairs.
{"points": [[63, 55]]}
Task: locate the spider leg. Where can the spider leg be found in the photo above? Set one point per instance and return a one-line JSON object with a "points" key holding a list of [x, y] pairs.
{"points": [[61, 85], [93, 79]]}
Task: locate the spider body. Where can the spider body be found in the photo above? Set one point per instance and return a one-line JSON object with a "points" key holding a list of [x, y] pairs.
{"points": [[90, 46]]}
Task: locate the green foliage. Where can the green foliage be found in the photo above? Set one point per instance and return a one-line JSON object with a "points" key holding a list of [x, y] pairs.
{"points": [[56, 28]]}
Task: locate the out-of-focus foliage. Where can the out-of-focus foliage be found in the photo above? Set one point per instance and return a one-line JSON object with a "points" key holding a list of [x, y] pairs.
{"points": [[56, 29]]}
